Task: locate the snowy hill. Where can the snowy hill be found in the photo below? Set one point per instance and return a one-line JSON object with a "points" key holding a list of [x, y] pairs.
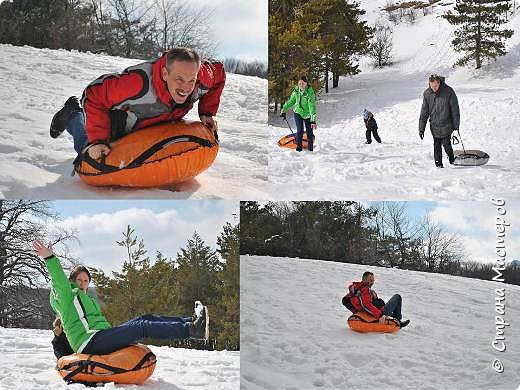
{"points": [[402, 167], [36, 83], [294, 333], [28, 364]]}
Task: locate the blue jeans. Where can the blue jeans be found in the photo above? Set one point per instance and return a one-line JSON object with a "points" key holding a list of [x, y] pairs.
{"points": [[149, 325], [299, 132], [76, 128], [393, 307]]}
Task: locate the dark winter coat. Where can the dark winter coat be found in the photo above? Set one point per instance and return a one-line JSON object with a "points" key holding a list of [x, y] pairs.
{"points": [[442, 108], [61, 346], [362, 298], [370, 123]]}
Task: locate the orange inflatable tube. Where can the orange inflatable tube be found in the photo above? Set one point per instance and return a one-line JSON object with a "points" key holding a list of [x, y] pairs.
{"points": [[163, 154], [130, 365], [289, 141], [364, 323]]}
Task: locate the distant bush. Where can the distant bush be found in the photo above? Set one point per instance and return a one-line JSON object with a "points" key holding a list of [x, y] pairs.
{"points": [[247, 68]]}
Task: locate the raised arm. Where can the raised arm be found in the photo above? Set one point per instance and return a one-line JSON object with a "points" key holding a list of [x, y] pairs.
{"points": [[59, 281]]}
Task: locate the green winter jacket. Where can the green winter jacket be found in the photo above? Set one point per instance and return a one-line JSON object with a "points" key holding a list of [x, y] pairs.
{"points": [[304, 103], [80, 314]]}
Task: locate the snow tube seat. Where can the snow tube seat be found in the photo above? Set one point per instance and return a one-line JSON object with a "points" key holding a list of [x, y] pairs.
{"points": [[163, 154], [289, 141], [470, 157], [130, 365], [365, 323]]}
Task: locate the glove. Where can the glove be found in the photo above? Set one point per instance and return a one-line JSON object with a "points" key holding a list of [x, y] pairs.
{"points": [[283, 115], [421, 134]]}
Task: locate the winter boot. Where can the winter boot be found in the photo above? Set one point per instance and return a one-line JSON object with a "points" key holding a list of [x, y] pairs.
{"points": [[199, 329], [60, 119], [404, 323], [452, 159], [438, 164], [368, 142]]}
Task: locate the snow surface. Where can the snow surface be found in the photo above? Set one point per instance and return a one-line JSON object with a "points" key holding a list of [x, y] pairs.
{"points": [[28, 363], [294, 333], [36, 83], [402, 167]]}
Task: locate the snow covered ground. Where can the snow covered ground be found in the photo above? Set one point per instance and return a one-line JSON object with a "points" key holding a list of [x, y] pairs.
{"points": [[28, 363], [36, 83], [402, 167], [294, 333]]}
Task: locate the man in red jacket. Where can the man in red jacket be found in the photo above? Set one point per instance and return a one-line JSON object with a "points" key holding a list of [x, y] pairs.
{"points": [[142, 95], [361, 297]]}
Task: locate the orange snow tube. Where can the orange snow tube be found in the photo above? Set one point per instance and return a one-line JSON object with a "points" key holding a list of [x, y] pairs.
{"points": [[163, 154], [364, 322], [130, 365], [289, 141]]}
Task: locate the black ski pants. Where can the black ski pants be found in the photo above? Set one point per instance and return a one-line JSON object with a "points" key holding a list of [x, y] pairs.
{"points": [[374, 134], [438, 143]]}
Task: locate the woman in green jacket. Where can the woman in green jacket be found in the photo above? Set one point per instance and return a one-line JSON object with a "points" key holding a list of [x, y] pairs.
{"points": [[303, 101], [86, 327]]}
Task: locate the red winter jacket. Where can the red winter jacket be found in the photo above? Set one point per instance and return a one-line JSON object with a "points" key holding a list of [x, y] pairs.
{"points": [[362, 296], [117, 104]]}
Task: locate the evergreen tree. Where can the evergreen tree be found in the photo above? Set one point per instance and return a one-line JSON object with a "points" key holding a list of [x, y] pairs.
{"points": [[479, 35], [196, 275], [229, 249], [127, 294]]}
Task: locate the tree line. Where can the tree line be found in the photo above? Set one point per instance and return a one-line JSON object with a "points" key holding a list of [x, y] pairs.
{"points": [[169, 286], [156, 284], [323, 39], [318, 38], [126, 28], [382, 234]]}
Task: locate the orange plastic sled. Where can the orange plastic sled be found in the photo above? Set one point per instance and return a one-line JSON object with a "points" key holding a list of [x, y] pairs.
{"points": [[164, 154], [364, 323], [289, 141], [130, 365]]}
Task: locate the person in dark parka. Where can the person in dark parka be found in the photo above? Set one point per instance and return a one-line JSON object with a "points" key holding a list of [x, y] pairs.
{"points": [[371, 125], [441, 106]]}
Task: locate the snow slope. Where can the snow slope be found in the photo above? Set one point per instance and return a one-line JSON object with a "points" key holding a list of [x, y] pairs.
{"points": [[27, 363], [294, 333], [36, 83], [402, 167]]}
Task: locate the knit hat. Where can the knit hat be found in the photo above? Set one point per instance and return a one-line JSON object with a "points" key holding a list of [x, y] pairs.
{"points": [[365, 114]]}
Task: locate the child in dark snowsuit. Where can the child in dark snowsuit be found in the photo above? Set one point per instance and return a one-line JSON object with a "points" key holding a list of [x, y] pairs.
{"points": [[371, 125]]}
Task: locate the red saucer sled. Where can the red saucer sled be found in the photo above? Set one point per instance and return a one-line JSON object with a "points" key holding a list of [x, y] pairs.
{"points": [[289, 141], [130, 365], [163, 154], [365, 323]]}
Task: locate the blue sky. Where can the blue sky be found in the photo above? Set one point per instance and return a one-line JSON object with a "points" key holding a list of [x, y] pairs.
{"points": [[240, 26], [164, 225]]}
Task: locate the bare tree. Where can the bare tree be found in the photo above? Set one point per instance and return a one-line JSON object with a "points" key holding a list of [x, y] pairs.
{"points": [[397, 233], [131, 24], [442, 251], [21, 222], [380, 49], [181, 24]]}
